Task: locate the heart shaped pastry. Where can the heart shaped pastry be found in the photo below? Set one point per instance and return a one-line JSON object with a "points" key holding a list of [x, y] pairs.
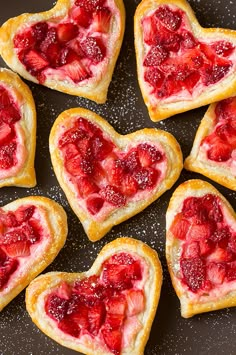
{"points": [[32, 232], [107, 310], [201, 248], [72, 48], [181, 65], [214, 149], [17, 131], [106, 177]]}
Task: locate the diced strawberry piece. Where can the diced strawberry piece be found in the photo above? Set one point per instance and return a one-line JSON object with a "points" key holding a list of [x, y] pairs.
{"points": [[113, 339], [10, 114], [5, 99], [121, 259], [94, 204], [220, 151], [216, 272], [191, 250], [224, 107], [53, 54], [221, 236], [73, 135], [68, 55], [70, 150], [90, 128], [150, 31], [81, 16], [149, 154], [5, 132], [101, 20], [155, 56], [81, 316], [86, 187], [7, 268], [66, 31], [210, 204], [169, 87], [113, 195], [188, 40], [231, 271], [227, 133], [24, 40], [135, 302], [96, 317], [3, 257], [69, 326], [86, 288], [191, 80], [35, 229], [116, 305], [194, 273], [200, 231], [146, 177], [101, 147], [116, 276], [215, 73], [131, 161], [170, 41], [206, 246], [170, 19], [232, 243], [221, 255], [180, 227], [56, 307], [76, 71], [39, 31], [223, 48], [90, 5], [51, 37], [34, 62], [24, 213], [116, 171], [8, 219], [18, 249], [129, 185], [74, 166], [154, 77], [94, 49], [7, 155], [64, 290], [114, 321]]}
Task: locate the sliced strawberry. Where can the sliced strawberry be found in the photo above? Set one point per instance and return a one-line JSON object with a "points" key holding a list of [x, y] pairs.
{"points": [[96, 317], [76, 71], [116, 305], [94, 49], [66, 31], [216, 272], [113, 339], [200, 231], [70, 150], [81, 316], [155, 56], [180, 227], [81, 16], [18, 249], [220, 151], [170, 19], [114, 321], [116, 276], [221, 255], [24, 213], [94, 204], [129, 185], [68, 55], [34, 62], [73, 135], [74, 166], [135, 302], [148, 154], [113, 195], [116, 171], [101, 20], [206, 246], [227, 133], [86, 187], [191, 250], [5, 132], [69, 326], [194, 273]]}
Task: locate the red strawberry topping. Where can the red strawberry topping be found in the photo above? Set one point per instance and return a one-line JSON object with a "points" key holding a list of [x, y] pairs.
{"points": [[99, 306]]}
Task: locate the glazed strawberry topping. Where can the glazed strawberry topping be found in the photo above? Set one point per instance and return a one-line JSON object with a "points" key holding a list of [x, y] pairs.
{"points": [[72, 45], [221, 143], [18, 231], [177, 62], [9, 115], [208, 256], [99, 306], [103, 175]]}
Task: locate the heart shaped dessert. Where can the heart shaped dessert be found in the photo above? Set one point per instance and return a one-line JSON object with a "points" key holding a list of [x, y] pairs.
{"points": [[32, 232], [201, 248], [71, 48], [181, 65], [106, 177], [17, 132], [214, 149], [106, 310]]}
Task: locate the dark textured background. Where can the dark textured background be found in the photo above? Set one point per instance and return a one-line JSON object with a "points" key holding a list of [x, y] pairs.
{"points": [[212, 333]]}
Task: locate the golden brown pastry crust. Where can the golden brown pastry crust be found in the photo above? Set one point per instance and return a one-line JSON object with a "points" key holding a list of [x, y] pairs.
{"points": [[96, 230], [45, 284], [225, 88], [57, 222], [25, 177], [190, 306], [95, 89], [218, 172]]}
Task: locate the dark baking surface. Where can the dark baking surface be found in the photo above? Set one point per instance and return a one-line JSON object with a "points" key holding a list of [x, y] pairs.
{"points": [[212, 333]]}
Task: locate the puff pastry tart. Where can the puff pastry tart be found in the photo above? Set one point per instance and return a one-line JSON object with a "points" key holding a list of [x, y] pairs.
{"points": [[17, 132], [214, 149], [181, 65], [106, 177], [106, 310], [72, 48], [32, 232], [201, 248]]}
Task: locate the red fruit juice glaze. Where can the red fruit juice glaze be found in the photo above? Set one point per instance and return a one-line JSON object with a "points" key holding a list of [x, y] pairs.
{"points": [[76, 48], [220, 144], [103, 307], [21, 232], [104, 177], [177, 65], [207, 236]]}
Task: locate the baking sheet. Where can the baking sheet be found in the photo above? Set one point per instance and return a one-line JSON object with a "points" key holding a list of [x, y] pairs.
{"points": [[212, 333]]}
